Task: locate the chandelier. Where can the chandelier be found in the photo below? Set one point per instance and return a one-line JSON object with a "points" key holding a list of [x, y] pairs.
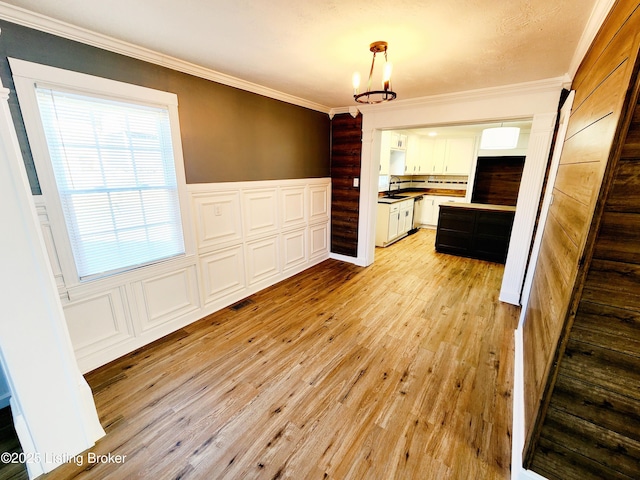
{"points": [[375, 96]]}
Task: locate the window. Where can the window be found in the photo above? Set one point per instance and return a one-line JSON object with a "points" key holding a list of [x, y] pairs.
{"points": [[111, 161]]}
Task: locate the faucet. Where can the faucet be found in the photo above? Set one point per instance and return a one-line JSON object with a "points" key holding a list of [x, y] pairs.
{"points": [[391, 181]]}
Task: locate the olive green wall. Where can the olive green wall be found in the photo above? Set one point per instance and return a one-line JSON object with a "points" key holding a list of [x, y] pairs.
{"points": [[228, 135]]}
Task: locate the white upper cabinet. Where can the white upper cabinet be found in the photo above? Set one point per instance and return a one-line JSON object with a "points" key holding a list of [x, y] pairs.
{"points": [[459, 156], [393, 148], [415, 155], [413, 159], [398, 141], [448, 156], [435, 156]]}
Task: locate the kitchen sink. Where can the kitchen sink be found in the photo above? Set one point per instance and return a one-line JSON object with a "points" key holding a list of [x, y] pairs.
{"points": [[395, 197]]}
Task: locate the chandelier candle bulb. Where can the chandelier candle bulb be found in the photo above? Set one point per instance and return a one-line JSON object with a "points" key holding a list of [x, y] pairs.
{"points": [[356, 82], [386, 79]]}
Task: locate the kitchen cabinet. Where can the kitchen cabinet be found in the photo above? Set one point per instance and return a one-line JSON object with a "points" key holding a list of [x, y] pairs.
{"points": [[475, 230], [431, 208], [434, 161], [398, 141], [393, 221], [459, 156], [448, 156], [413, 158], [406, 216], [392, 158]]}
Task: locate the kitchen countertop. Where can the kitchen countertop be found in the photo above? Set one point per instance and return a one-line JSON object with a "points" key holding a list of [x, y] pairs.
{"points": [[395, 198], [482, 206], [407, 194]]}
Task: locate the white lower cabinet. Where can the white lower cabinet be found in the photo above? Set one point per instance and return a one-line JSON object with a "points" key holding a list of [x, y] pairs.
{"points": [[393, 221], [405, 222], [431, 208]]}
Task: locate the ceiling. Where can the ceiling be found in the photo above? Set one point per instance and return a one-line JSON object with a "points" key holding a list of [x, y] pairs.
{"points": [[311, 49]]}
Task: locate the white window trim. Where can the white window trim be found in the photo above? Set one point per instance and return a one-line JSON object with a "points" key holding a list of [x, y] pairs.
{"points": [[26, 75]]}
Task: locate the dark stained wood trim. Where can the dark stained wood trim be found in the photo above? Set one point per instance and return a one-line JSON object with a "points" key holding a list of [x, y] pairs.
{"points": [[346, 151]]}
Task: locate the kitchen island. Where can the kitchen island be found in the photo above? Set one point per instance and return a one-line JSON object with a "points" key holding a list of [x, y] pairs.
{"points": [[475, 230]]}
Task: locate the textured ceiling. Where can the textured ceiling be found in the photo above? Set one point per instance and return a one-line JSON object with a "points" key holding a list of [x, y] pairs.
{"points": [[310, 49]]}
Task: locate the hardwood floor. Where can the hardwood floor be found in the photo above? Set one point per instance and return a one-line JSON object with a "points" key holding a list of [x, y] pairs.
{"points": [[400, 370]]}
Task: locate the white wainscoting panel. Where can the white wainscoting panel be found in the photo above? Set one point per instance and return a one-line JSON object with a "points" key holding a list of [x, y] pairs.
{"points": [[98, 322], [222, 273], [249, 235], [293, 207], [318, 241], [262, 259], [320, 203], [260, 212], [166, 297], [219, 221], [294, 249]]}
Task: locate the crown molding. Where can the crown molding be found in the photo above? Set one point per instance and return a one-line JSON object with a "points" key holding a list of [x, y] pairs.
{"points": [[598, 15], [46, 24], [538, 86]]}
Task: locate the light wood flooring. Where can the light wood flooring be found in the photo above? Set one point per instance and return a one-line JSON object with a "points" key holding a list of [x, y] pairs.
{"points": [[400, 370]]}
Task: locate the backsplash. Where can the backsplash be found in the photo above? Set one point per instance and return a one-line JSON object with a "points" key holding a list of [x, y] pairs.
{"points": [[449, 182]]}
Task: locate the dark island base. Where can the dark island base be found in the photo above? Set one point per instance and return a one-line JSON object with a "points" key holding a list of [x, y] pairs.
{"points": [[475, 230]]}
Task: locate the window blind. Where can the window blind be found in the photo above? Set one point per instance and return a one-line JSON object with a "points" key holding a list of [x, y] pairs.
{"points": [[115, 173]]}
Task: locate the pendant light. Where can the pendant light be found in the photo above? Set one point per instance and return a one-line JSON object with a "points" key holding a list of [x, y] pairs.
{"points": [[375, 96], [499, 138]]}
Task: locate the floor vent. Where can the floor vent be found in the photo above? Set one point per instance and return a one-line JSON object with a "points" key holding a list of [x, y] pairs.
{"points": [[241, 304]]}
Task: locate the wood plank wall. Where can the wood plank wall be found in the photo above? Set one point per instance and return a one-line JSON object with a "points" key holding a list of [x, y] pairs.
{"points": [[597, 128], [593, 420], [497, 180], [346, 150]]}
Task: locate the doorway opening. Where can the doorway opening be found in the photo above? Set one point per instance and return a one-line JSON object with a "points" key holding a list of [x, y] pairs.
{"points": [[422, 168]]}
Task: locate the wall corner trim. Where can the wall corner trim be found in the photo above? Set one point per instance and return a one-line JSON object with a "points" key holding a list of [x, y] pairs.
{"points": [[598, 15]]}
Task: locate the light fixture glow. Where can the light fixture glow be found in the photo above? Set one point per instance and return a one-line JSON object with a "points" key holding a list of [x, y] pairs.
{"points": [[375, 96], [356, 82], [499, 138], [386, 77]]}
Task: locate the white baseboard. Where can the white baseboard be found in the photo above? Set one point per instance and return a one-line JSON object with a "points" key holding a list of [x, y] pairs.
{"points": [[510, 297], [347, 259], [101, 357], [34, 469]]}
